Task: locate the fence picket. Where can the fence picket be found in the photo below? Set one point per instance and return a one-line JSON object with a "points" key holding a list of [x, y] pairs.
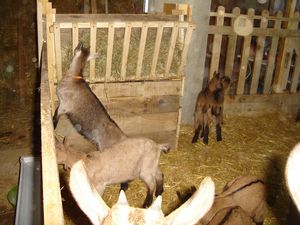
{"points": [[260, 48], [217, 42]]}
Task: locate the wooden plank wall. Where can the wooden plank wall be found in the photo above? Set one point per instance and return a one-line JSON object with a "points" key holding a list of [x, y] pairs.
{"points": [[255, 68]]}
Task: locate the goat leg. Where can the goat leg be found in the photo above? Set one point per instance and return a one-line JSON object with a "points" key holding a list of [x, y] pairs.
{"points": [[159, 183], [196, 135], [205, 134], [148, 199], [219, 132]]}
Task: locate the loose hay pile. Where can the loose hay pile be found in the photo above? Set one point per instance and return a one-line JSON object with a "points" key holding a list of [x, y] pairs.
{"points": [[251, 145], [101, 49]]}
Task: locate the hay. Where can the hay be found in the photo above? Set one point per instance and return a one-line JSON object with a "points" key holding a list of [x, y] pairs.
{"points": [[251, 146], [101, 48]]}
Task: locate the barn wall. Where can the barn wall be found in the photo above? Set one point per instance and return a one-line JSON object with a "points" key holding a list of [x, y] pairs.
{"points": [[194, 70]]}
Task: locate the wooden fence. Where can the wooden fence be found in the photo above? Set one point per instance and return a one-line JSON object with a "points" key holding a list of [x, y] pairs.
{"points": [[264, 61]]}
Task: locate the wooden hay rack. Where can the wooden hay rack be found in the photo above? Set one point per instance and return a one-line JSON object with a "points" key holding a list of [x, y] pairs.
{"points": [[144, 102]]}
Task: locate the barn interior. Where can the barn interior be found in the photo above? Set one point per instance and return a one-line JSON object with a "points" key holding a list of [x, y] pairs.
{"points": [[261, 122]]}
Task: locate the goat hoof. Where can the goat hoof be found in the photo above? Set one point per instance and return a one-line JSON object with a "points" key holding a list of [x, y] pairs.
{"points": [[219, 139]]}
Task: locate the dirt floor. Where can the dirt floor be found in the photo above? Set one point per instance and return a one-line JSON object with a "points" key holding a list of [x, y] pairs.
{"points": [[255, 146]]}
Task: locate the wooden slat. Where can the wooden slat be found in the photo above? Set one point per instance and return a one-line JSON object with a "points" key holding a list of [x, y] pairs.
{"points": [[50, 53], [260, 47], [156, 49], [296, 72], [74, 35], [52, 204], [187, 41], [136, 89], [272, 57], [231, 47], [285, 57], [58, 52], [94, 6], [39, 30], [171, 48], [93, 51], [110, 44], [244, 59], [141, 50], [125, 51], [217, 42]]}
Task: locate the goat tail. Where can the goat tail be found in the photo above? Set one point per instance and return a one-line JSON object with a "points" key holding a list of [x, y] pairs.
{"points": [[165, 148]]}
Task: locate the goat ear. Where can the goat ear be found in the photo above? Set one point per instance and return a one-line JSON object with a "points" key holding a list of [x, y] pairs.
{"points": [[196, 207], [292, 171], [156, 205], [93, 56], [85, 194], [122, 199]]}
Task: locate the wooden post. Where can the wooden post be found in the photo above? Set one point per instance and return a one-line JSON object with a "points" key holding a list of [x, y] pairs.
{"points": [[260, 47], [74, 36], [244, 59], [217, 42], [94, 6], [272, 56], [296, 72]]}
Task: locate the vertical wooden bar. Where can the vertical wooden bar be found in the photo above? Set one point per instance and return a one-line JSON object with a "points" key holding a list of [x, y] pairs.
{"points": [[125, 50], [110, 44], [272, 56], [259, 54], [141, 50], [93, 51], [52, 204], [86, 6], [57, 44], [50, 54], [231, 47], [156, 49], [280, 77], [244, 59], [187, 41], [74, 36], [217, 42], [171, 48], [39, 30]]}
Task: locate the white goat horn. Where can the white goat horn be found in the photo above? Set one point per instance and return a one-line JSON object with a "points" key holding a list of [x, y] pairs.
{"points": [[292, 172], [156, 205], [92, 56], [85, 194], [122, 199], [196, 207]]}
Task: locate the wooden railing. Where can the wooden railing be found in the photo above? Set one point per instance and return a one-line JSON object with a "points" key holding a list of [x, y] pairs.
{"points": [[272, 44]]}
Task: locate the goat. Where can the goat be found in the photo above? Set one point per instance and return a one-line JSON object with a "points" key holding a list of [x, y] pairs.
{"points": [[98, 212], [246, 196], [121, 163], [82, 107], [209, 106]]}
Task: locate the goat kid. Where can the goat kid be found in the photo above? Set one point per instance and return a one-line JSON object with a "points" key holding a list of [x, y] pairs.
{"points": [[82, 107], [209, 107], [122, 162], [121, 213]]}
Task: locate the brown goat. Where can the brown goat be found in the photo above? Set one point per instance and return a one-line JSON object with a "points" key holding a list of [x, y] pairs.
{"points": [[209, 106], [82, 107], [243, 199], [122, 162]]}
